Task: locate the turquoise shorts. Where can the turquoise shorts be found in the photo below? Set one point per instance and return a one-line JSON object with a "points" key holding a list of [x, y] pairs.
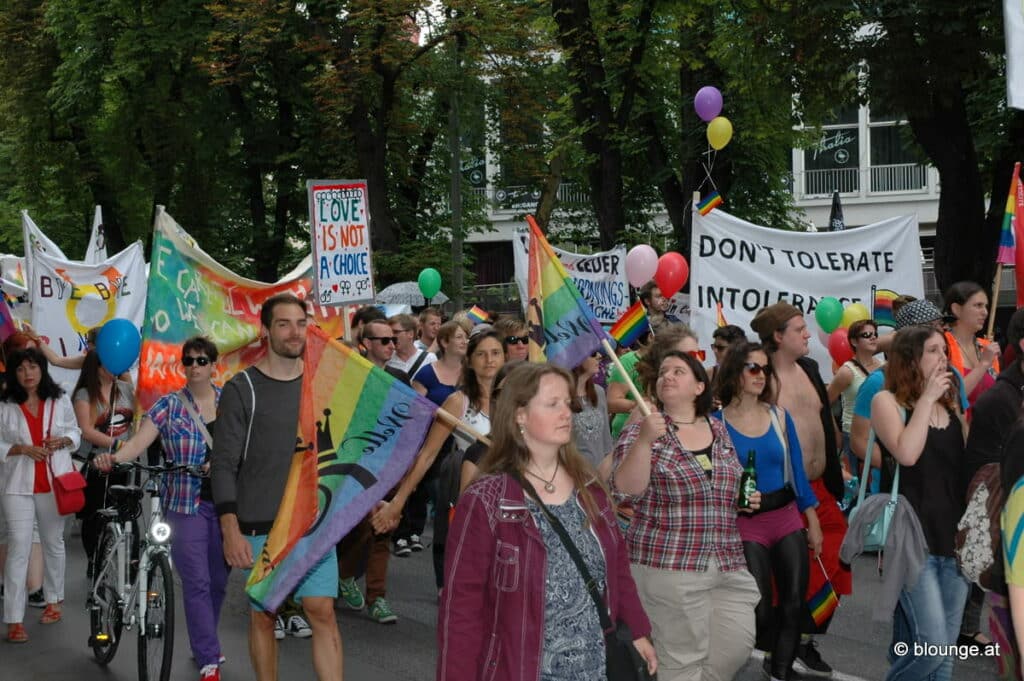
{"points": [[320, 581]]}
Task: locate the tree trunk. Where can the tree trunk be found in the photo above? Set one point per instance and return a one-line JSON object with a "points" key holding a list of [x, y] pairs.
{"points": [[549, 192], [671, 190], [102, 192], [371, 155], [964, 244]]}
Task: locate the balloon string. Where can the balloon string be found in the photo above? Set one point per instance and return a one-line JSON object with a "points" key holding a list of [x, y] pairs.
{"points": [[708, 166]]}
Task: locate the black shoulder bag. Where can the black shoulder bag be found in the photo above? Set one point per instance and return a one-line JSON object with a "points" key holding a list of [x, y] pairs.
{"points": [[622, 660]]}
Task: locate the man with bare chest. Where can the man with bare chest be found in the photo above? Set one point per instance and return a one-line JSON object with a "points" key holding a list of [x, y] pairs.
{"points": [[799, 389]]}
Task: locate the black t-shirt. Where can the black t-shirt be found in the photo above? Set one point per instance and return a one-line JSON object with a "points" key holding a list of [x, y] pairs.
{"points": [[205, 488], [474, 453]]}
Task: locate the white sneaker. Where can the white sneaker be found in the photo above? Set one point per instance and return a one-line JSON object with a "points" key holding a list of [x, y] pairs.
{"points": [[279, 628], [299, 627], [415, 543]]}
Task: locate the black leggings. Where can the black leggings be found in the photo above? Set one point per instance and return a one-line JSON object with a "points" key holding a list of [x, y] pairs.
{"points": [[778, 628]]}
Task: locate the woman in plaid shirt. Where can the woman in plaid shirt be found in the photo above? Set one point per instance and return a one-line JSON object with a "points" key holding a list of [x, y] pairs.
{"points": [[197, 549], [679, 468]]}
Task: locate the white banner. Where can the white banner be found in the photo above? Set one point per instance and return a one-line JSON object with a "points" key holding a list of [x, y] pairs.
{"points": [[1013, 23], [96, 251], [70, 298], [36, 242], [747, 267], [600, 277]]}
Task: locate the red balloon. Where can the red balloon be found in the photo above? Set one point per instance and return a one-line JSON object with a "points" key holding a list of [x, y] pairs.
{"points": [[672, 273], [839, 347]]}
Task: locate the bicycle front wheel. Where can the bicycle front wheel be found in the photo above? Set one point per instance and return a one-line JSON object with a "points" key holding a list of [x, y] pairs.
{"points": [[156, 633]]}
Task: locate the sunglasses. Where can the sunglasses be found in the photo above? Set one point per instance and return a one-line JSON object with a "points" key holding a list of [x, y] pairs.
{"points": [[755, 369], [512, 340], [867, 334], [189, 361], [383, 340], [720, 347], [698, 355]]}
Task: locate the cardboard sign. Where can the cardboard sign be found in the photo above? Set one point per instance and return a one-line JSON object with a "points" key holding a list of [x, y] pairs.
{"points": [[339, 221]]}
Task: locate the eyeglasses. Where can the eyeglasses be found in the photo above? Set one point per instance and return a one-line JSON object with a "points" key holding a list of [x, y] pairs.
{"points": [[720, 347], [698, 355], [867, 334], [189, 361], [512, 340], [755, 369], [383, 340]]}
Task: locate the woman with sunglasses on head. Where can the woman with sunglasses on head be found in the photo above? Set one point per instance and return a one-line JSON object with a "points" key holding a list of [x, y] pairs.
{"points": [[472, 404], [184, 422], [516, 606], [774, 542], [642, 367], [682, 475], [38, 432], [438, 380], [917, 420], [863, 338]]}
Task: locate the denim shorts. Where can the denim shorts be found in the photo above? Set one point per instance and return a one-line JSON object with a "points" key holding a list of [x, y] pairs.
{"points": [[321, 580]]}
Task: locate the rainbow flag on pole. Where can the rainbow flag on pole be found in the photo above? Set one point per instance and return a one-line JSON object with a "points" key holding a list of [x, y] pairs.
{"points": [[477, 315], [881, 306], [823, 603], [359, 431], [1007, 241], [563, 328], [709, 203], [631, 325]]}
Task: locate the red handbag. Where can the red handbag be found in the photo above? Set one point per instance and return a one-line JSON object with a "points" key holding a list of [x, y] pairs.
{"points": [[68, 488]]}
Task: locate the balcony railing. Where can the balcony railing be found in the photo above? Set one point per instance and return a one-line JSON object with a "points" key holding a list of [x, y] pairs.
{"points": [[885, 179]]}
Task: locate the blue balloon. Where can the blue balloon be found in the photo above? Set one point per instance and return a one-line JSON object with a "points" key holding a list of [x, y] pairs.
{"points": [[118, 344]]}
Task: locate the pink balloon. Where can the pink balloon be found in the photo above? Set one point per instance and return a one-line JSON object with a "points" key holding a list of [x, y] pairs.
{"points": [[708, 103], [672, 273], [839, 346], [641, 264]]}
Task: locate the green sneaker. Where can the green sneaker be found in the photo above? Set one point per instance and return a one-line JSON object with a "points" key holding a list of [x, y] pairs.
{"points": [[381, 611], [350, 593]]}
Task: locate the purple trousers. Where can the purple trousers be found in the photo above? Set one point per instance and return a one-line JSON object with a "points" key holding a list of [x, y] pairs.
{"points": [[198, 555]]}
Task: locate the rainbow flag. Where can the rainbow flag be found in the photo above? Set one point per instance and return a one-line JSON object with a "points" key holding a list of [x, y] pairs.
{"points": [[189, 293], [709, 203], [359, 431], [881, 306], [7, 325], [631, 325], [719, 316], [825, 601], [563, 328], [477, 315], [1007, 241]]}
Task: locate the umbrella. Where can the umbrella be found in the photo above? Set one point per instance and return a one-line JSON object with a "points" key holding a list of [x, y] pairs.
{"points": [[835, 219], [407, 293]]}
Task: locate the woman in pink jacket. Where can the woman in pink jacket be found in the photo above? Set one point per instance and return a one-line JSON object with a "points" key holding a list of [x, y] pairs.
{"points": [[515, 606]]}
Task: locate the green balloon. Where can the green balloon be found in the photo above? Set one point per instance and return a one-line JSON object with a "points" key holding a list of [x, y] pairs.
{"points": [[430, 283], [828, 314]]}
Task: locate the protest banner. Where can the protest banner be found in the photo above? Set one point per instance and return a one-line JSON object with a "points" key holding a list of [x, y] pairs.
{"points": [[192, 294], [1013, 27], [36, 242], [600, 277], [69, 298], [747, 267], [339, 223], [96, 250]]}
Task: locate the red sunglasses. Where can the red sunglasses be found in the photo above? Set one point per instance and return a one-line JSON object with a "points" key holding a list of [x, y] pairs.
{"points": [[697, 355]]}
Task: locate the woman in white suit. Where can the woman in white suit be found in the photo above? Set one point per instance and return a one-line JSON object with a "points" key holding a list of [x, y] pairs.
{"points": [[38, 429]]}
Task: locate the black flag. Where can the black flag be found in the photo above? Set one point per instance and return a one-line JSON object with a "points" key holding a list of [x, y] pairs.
{"points": [[835, 218]]}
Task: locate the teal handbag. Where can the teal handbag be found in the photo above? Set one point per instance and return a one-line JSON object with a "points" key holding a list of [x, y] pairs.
{"points": [[877, 531]]}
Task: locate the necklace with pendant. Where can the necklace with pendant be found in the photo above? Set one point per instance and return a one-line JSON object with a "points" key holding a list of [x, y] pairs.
{"points": [[549, 485]]}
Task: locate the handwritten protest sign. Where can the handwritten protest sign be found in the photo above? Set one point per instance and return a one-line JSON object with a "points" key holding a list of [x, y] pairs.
{"points": [[339, 223]]}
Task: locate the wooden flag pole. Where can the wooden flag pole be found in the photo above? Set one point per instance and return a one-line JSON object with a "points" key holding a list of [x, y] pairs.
{"points": [[459, 424], [641, 403], [994, 301]]}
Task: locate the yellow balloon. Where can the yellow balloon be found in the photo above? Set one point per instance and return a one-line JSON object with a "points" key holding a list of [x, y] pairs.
{"points": [[854, 312], [719, 132]]}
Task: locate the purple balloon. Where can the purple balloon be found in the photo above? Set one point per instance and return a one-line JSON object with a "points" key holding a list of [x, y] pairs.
{"points": [[708, 103]]}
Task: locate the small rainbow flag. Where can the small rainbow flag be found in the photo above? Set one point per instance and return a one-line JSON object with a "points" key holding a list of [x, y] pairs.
{"points": [[359, 430], [881, 306], [719, 316], [709, 203], [477, 315], [1007, 242], [631, 325], [823, 603], [563, 328]]}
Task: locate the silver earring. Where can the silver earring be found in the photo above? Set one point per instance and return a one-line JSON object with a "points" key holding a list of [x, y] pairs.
{"points": [[522, 431]]}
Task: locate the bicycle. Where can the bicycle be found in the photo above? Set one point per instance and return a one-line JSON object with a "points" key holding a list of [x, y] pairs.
{"points": [[129, 565]]}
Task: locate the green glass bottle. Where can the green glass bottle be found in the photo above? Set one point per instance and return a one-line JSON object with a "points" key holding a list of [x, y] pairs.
{"points": [[748, 481]]}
